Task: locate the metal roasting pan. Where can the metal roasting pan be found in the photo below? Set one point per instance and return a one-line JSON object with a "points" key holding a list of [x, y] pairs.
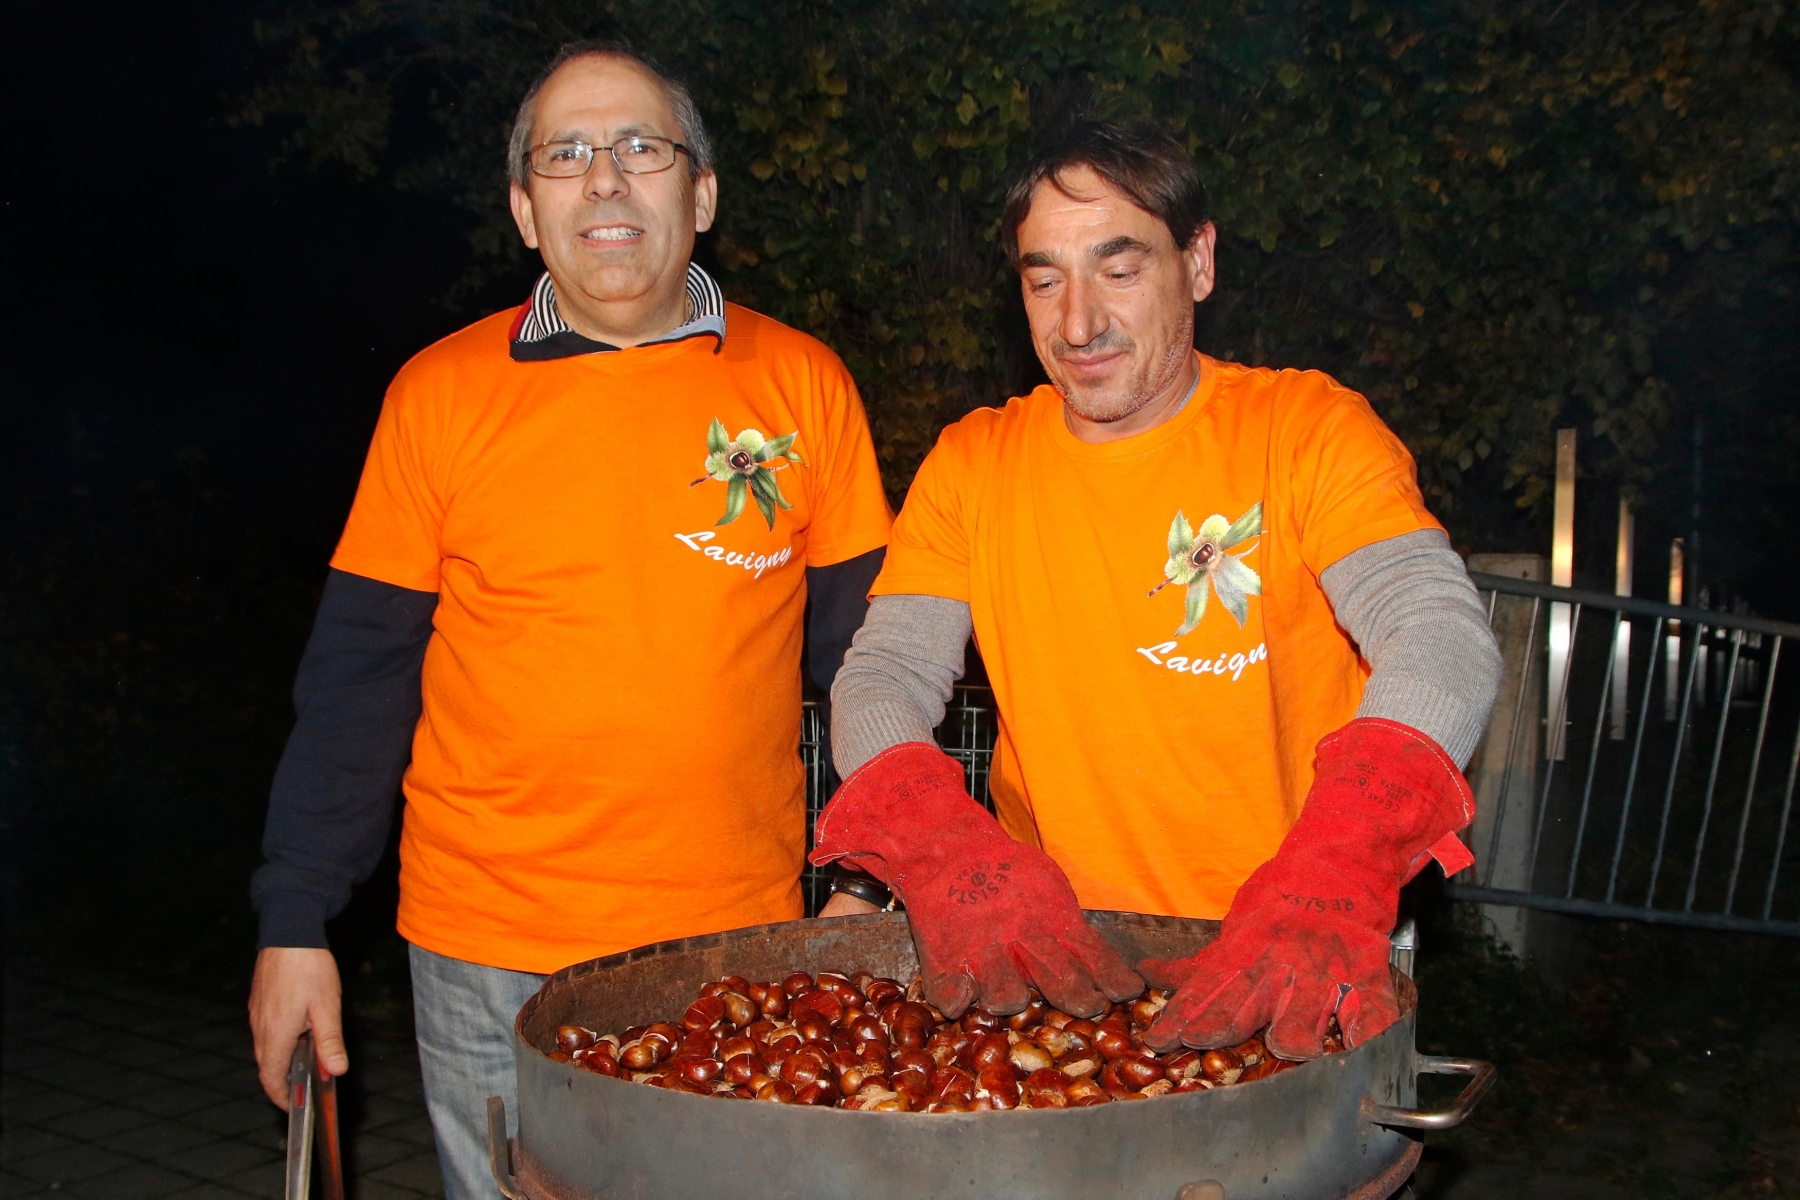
{"points": [[1333, 1129]]}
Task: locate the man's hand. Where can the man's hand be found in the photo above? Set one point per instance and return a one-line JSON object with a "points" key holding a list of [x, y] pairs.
{"points": [[989, 915], [295, 989], [843, 904], [1307, 934]]}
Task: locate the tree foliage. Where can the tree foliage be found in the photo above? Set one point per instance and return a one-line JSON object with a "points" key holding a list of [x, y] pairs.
{"points": [[1487, 217]]}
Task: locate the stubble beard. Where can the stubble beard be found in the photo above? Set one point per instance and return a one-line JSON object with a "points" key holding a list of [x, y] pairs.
{"points": [[1110, 405]]}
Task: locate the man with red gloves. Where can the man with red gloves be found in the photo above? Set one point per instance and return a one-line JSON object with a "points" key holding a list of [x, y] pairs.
{"points": [[1237, 664]]}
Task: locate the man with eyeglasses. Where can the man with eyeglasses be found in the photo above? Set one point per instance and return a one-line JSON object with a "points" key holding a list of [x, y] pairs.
{"points": [[567, 606]]}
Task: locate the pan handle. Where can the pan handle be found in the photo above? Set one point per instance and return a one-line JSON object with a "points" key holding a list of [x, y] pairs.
{"points": [[302, 1113], [500, 1151], [1482, 1078]]}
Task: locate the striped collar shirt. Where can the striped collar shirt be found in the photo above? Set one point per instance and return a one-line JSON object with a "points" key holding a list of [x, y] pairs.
{"points": [[540, 333]]}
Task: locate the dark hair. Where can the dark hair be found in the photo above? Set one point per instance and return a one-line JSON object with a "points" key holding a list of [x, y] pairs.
{"points": [[693, 131], [1153, 169]]}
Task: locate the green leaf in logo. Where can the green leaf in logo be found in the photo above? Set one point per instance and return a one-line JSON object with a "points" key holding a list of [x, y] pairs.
{"points": [[776, 447], [762, 486], [734, 500], [1181, 536], [1247, 526], [1196, 607]]}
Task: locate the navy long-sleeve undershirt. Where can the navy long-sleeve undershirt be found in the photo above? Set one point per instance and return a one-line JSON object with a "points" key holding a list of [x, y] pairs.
{"points": [[357, 702]]}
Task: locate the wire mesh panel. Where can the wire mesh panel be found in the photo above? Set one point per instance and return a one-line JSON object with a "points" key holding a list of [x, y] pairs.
{"points": [[1678, 812], [967, 735]]}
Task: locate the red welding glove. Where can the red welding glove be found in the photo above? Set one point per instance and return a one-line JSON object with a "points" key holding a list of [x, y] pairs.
{"points": [[1307, 933], [988, 914]]}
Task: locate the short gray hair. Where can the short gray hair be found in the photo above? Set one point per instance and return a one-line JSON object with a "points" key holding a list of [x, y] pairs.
{"points": [[687, 116]]}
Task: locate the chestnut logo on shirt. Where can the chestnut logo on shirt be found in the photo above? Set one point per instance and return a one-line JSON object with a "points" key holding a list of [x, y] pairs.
{"points": [[1198, 560], [741, 464]]}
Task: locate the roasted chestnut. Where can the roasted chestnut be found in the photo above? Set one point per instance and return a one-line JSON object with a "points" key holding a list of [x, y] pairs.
{"points": [[883, 990], [703, 1013], [1181, 1066], [1030, 1016], [820, 1001], [989, 1050], [1029, 1056], [739, 1009], [645, 1052], [1000, 1084], [821, 1093], [1113, 1042], [812, 1026], [696, 1069], [1222, 1065], [741, 1068], [778, 1091], [600, 1061], [1138, 1072], [701, 1041], [1146, 1008], [571, 1038], [1085, 1093]]}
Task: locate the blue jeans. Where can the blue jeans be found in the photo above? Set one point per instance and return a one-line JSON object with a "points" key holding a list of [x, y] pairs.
{"points": [[463, 1014]]}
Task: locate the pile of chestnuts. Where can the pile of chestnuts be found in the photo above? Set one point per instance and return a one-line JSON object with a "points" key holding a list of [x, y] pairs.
{"points": [[865, 1042]]}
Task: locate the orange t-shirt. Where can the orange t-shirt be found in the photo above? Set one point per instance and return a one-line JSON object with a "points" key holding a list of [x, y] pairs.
{"points": [[608, 754], [1158, 764]]}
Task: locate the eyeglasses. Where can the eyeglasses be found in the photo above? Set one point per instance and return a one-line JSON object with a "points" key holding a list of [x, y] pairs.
{"points": [[633, 155]]}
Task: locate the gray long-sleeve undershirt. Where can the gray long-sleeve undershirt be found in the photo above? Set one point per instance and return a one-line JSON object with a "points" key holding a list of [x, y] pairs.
{"points": [[1407, 602]]}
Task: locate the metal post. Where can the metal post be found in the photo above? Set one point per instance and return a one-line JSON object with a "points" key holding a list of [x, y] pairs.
{"points": [[1561, 705], [1587, 789], [1712, 775], [1762, 729], [1637, 750], [1681, 725], [1512, 745], [1787, 805]]}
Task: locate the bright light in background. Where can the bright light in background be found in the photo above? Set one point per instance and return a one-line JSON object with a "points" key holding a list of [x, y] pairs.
{"points": [[1672, 645], [1562, 574]]}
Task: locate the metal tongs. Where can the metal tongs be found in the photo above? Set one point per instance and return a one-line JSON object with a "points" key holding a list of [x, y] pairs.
{"points": [[312, 1100]]}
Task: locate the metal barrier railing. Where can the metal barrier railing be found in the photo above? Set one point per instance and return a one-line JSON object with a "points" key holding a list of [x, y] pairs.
{"points": [[1643, 685], [967, 735], [1602, 840]]}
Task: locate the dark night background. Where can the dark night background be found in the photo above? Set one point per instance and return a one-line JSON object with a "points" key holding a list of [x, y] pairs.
{"points": [[197, 345], [197, 341], [196, 351]]}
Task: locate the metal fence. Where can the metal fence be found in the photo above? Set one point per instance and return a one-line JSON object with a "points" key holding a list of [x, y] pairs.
{"points": [[967, 735], [1658, 782], [1640, 762]]}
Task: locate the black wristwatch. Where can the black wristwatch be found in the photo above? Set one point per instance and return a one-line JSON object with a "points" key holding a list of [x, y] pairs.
{"points": [[864, 888]]}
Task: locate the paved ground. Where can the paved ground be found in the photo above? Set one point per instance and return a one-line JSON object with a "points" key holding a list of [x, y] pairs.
{"points": [[113, 1092]]}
